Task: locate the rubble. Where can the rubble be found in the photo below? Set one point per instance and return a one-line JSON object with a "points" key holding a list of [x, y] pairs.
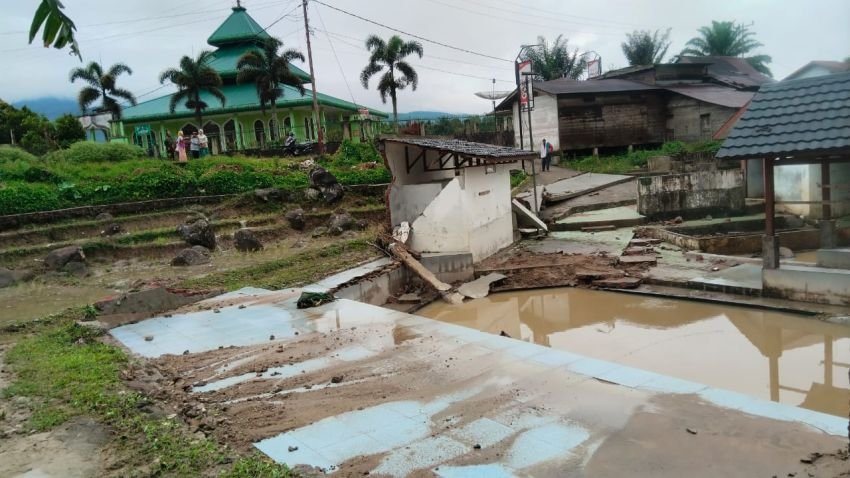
{"points": [[339, 222], [480, 288], [198, 233], [295, 218], [192, 256], [246, 241]]}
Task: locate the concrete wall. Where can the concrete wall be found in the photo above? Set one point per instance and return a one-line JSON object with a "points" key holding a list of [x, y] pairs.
{"points": [[755, 178], [442, 226], [544, 122], [802, 182], [409, 204], [692, 120], [808, 284], [691, 194]]}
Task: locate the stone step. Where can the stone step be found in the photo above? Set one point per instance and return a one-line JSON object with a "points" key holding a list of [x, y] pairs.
{"points": [[618, 283], [649, 259]]}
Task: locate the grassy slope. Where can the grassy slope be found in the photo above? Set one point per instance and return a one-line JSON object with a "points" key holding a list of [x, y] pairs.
{"points": [[623, 163]]}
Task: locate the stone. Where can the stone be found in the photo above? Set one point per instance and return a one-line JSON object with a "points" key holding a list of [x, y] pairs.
{"points": [[198, 233], [643, 259], [57, 258], [111, 229], [480, 288], [312, 194], [332, 194], [104, 216], [246, 241], [340, 222], [327, 184], [361, 225], [636, 251], [643, 242], [785, 252], [192, 256], [268, 194], [76, 269], [9, 277], [617, 283], [319, 232], [296, 220]]}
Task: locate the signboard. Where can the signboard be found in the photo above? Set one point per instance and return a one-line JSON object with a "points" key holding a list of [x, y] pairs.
{"points": [[594, 68], [142, 130], [363, 111], [526, 95]]}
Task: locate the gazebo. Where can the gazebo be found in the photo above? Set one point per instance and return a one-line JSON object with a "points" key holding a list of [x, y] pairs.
{"points": [[802, 122]]}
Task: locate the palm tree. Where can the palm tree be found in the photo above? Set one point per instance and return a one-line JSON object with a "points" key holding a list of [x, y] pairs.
{"points": [[192, 78], [555, 61], [268, 69], [101, 86], [728, 39], [391, 55], [643, 47]]}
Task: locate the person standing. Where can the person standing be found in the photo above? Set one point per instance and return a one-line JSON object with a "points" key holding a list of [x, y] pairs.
{"points": [[169, 146], [544, 154], [181, 147], [195, 146], [204, 143]]}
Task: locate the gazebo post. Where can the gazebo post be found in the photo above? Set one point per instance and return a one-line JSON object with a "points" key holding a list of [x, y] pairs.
{"points": [[826, 225], [770, 243]]}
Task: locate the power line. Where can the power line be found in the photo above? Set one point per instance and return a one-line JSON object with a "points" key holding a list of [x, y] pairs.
{"points": [[338, 63], [411, 34]]}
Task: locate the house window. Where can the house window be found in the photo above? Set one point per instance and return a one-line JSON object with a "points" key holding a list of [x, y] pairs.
{"points": [[705, 121], [307, 128]]}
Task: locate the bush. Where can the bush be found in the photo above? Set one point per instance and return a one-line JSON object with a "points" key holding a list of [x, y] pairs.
{"points": [[19, 197], [12, 154], [86, 151], [351, 153]]}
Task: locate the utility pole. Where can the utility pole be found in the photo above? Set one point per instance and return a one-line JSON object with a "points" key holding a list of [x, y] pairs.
{"points": [[320, 133]]}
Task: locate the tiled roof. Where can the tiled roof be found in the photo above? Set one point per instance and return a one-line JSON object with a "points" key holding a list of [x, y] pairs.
{"points": [[830, 66], [239, 27], [476, 150], [566, 86], [794, 117], [716, 95], [730, 70]]}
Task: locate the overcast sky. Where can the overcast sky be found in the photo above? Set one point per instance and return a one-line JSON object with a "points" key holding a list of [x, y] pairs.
{"points": [[151, 35]]}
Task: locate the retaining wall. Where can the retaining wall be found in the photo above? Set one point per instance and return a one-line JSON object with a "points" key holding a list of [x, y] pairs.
{"points": [[691, 194]]}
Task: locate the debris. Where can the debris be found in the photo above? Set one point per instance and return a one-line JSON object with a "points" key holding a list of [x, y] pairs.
{"points": [[268, 194], [691, 431], [198, 233], [715, 269], [618, 283], [785, 253], [608, 227], [313, 299], [636, 251], [292, 448], [319, 231], [246, 241], [645, 259], [585, 275], [111, 229], [192, 256], [336, 379], [402, 232], [409, 298], [307, 164], [480, 288], [526, 218], [271, 337], [645, 242], [295, 218], [477, 446], [148, 338], [504, 334], [57, 258], [340, 221], [400, 252]]}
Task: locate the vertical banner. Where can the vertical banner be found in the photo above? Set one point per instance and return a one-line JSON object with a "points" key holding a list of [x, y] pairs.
{"points": [[594, 68], [525, 88]]}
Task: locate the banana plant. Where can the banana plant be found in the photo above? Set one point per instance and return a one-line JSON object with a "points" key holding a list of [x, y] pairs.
{"points": [[57, 28]]}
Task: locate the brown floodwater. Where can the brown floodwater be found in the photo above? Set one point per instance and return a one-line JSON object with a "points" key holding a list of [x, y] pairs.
{"points": [[33, 300], [770, 355]]}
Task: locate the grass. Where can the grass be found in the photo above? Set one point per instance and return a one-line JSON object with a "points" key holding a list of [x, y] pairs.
{"points": [[308, 266], [626, 162]]}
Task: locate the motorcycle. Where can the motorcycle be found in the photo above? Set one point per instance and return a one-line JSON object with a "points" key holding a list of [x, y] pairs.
{"points": [[298, 149]]}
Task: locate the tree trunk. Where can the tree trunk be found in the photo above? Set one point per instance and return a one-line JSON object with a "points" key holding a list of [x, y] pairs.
{"points": [[198, 111], [395, 111], [274, 117]]}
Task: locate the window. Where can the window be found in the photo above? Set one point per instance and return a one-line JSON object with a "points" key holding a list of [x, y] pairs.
{"points": [[259, 133], [273, 131], [705, 121]]}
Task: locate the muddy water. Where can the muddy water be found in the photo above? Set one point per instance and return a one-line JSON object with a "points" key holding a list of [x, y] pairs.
{"points": [[33, 300], [781, 357], [806, 256]]}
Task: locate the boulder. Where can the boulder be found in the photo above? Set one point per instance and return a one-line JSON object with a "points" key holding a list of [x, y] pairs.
{"points": [[111, 229], [785, 253], [361, 225], [198, 233], [339, 223], [104, 216], [77, 269], [333, 193], [246, 241], [192, 256], [268, 194], [312, 194], [319, 231], [9, 277], [327, 184], [296, 220], [57, 258]]}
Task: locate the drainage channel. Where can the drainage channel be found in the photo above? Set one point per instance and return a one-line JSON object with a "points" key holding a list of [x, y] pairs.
{"points": [[770, 355]]}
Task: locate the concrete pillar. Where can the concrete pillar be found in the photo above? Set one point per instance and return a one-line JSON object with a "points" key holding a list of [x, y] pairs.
{"points": [[828, 236], [770, 252]]}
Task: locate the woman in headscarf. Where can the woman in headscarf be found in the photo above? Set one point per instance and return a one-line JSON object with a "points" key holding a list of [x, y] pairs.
{"points": [[181, 147]]}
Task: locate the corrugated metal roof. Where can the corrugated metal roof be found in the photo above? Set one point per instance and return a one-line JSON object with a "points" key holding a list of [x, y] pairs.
{"points": [[565, 86], [830, 66], [716, 95], [794, 117], [477, 150], [730, 70]]}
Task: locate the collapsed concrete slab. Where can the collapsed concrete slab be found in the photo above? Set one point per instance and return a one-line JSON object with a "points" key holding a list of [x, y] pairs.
{"points": [[480, 288], [581, 184], [526, 218]]}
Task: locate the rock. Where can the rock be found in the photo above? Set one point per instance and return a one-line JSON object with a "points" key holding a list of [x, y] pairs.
{"points": [[348, 235], [319, 231], [296, 219], [148, 338], [9, 277], [111, 229], [340, 222], [104, 216], [268, 194], [198, 233], [299, 244], [192, 256], [480, 288], [337, 379], [312, 194], [77, 269], [642, 259], [246, 241], [327, 184], [785, 253], [361, 225], [332, 194], [57, 258]]}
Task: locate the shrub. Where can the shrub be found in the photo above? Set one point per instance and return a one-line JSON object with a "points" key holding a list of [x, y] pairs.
{"points": [[11, 154], [229, 182], [19, 197], [86, 151], [351, 153]]}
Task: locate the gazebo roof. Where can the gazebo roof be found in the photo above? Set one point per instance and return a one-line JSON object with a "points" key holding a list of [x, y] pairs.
{"points": [[238, 28], [796, 117]]}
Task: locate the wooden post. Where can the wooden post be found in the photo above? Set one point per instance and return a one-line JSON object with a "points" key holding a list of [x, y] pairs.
{"points": [[826, 209], [770, 243], [316, 115]]}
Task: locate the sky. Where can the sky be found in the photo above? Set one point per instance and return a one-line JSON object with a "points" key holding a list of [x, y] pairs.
{"points": [[152, 35]]}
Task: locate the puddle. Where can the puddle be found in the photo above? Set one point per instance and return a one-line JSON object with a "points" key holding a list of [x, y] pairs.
{"points": [[769, 355], [806, 256], [33, 300]]}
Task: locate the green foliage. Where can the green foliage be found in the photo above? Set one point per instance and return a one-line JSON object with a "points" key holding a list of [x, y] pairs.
{"points": [[728, 39], [19, 197], [517, 178], [623, 163], [10, 154], [257, 466], [351, 153], [643, 47], [68, 130], [58, 28], [553, 61], [96, 152]]}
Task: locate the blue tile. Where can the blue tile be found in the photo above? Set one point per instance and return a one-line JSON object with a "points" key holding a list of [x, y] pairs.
{"points": [[592, 367], [666, 384], [403, 432], [545, 443], [376, 419], [323, 433], [351, 448], [278, 449], [628, 376], [423, 454], [484, 432], [555, 357]]}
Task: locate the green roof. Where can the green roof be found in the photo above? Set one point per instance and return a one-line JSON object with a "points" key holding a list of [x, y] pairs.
{"points": [[239, 98], [238, 28], [224, 61]]}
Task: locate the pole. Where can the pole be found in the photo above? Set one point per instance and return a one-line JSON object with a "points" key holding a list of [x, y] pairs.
{"points": [[531, 145], [519, 104], [530, 134], [320, 133]]}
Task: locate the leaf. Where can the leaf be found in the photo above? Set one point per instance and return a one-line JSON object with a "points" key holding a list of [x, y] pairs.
{"points": [[58, 29]]}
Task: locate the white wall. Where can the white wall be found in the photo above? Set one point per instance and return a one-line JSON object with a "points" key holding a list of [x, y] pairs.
{"points": [[544, 122], [803, 183], [442, 226], [487, 201]]}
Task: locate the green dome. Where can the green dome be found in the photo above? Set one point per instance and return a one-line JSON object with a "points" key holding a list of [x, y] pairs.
{"points": [[238, 28]]}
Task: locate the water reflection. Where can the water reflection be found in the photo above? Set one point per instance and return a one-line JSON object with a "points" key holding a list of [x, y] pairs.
{"points": [[782, 357]]}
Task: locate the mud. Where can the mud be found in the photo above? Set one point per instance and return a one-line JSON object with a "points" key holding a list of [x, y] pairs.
{"points": [[776, 356]]}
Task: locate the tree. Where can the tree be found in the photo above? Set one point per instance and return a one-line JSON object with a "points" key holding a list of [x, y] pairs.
{"points": [[192, 78], [102, 86], [643, 47], [58, 28], [390, 55], [550, 62], [68, 130], [728, 39], [268, 69]]}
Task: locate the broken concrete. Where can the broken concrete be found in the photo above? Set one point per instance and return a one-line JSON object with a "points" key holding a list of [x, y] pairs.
{"points": [[692, 194], [145, 303], [525, 218], [617, 283], [480, 288], [648, 259], [580, 185], [624, 216]]}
